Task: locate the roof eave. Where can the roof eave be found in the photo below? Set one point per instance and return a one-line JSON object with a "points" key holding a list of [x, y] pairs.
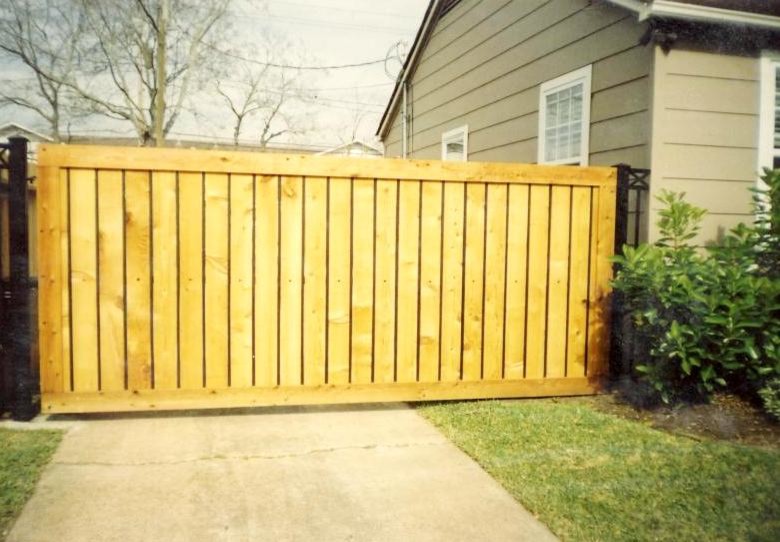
{"points": [[408, 67], [693, 12]]}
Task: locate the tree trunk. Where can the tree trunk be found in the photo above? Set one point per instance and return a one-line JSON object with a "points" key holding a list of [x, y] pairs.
{"points": [[159, 97]]}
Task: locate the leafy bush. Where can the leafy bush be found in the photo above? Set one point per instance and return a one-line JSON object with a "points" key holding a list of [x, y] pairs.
{"points": [[770, 397], [701, 319]]}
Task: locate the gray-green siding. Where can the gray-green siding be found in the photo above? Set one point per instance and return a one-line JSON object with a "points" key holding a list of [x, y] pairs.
{"points": [[484, 64]]}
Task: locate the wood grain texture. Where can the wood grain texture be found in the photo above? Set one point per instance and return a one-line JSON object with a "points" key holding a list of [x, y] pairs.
{"points": [[314, 284], [50, 281], [558, 273], [241, 250], [384, 281], [578, 287], [408, 279], [139, 280], [191, 160], [267, 280], [362, 281], [191, 264], [236, 289], [308, 395], [216, 280], [291, 281], [430, 281], [538, 245], [339, 280], [83, 279], [111, 289], [165, 286], [516, 268], [65, 298], [452, 282], [474, 282]]}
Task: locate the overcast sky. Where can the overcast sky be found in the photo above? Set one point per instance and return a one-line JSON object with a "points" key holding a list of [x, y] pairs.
{"points": [[331, 32]]}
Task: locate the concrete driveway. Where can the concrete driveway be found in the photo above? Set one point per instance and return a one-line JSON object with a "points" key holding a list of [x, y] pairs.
{"points": [[377, 472]]}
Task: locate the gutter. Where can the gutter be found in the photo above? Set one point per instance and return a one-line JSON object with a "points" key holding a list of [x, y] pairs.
{"points": [[692, 12]]}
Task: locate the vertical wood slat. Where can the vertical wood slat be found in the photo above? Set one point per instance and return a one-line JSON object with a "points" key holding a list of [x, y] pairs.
{"points": [[314, 285], [452, 281], [495, 266], [474, 282], [430, 281], [339, 280], [384, 281], [558, 273], [50, 280], [111, 288], [191, 326], [578, 288], [539, 223], [362, 280], [164, 280], [407, 280], [290, 306], [138, 239], [216, 280], [65, 298], [266, 279], [241, 204], [517, 260], [83, 279]]}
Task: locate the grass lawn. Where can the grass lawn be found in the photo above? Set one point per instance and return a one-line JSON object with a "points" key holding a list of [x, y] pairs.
{"points": [[590, 475], [23, 454]]}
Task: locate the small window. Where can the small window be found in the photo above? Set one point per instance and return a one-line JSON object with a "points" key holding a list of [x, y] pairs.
{"points": [[455, 144], [564, 119], [769, 119]]}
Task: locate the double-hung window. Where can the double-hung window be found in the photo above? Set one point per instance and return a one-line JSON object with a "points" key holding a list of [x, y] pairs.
{"points": [[455, 144], [564, 119], [769, 129]]}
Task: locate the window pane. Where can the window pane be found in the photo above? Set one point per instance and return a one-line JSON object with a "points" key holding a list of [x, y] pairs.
{"points": [[563, 119], [552, 112], [454, 150]]}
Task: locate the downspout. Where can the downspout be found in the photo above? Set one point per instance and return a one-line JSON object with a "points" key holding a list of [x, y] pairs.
{"points": [[405, 120]]}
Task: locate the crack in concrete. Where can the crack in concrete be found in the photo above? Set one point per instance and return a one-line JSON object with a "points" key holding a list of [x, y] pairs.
{"points": [[246, 457]]}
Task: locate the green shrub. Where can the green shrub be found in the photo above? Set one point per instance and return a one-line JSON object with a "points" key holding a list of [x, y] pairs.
{"points": [[770, 397], [704, 320]]}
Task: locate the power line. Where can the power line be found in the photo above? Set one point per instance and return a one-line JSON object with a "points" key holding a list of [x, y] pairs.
{"points": [[348, 10], [290, 66]]}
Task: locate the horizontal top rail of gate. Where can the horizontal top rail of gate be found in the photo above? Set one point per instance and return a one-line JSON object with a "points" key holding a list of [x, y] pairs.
{"points": [[237, 162]]}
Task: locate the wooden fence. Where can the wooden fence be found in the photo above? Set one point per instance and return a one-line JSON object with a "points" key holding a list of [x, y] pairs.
{"points": [[181, 278]]}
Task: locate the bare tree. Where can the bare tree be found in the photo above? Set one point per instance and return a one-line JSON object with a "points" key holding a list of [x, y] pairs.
{"points": [[150, 57], [43, 37], [270, 98], [132, 61]]}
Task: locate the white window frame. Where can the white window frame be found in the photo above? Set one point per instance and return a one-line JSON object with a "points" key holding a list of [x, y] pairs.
{"points": [[770, 61], [460, 133], [580, 76]]}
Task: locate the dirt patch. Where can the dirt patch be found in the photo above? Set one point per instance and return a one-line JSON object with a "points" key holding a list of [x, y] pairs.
{"points": [[726, 417]]}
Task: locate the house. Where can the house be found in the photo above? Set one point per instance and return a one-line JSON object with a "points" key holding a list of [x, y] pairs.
{"points": [[688, 89], [353, 148], [13, 129]]}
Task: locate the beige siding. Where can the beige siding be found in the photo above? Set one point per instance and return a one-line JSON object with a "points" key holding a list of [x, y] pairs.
{"points": [[705, 119], [485, 61]]}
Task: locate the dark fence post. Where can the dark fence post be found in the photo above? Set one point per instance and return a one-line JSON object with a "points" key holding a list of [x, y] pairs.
{"points": [[18, 294], [617, 344]]}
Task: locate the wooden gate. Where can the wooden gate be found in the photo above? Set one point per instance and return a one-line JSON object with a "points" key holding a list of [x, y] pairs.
{"points": [[197, 279]]}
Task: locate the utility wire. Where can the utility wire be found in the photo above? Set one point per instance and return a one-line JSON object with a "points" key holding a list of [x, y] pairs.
{"points": [[290, 66]]}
